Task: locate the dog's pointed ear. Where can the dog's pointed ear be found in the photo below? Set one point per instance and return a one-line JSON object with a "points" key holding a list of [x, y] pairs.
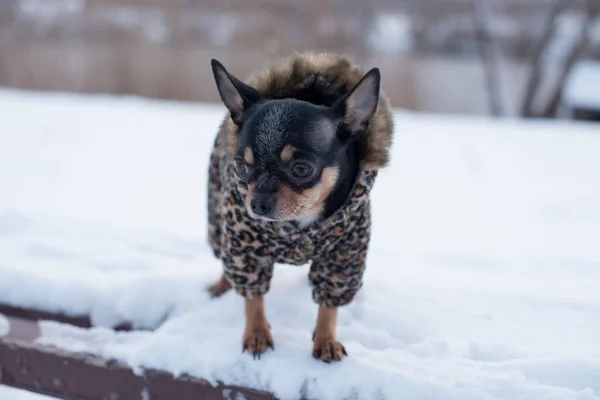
{"points": [[358, 106], [235, 94]]}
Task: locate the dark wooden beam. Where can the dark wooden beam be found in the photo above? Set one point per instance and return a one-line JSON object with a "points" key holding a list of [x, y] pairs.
{"points": [[82, 321], [46, 370]]}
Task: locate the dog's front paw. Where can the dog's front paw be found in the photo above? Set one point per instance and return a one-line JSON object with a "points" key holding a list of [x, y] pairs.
{"points": [[257, 342], [219, 288], [328, 350]]}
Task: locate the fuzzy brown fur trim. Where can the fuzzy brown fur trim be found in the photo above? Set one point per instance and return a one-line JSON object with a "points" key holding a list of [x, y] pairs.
{"points": [[288, 74]]}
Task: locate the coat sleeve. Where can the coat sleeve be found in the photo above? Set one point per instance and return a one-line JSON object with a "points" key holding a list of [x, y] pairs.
{"points": [[336, 276], [214, 200]]}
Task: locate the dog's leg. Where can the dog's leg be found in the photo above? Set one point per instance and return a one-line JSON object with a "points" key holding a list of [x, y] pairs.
{"points": [[257, 336], [219, 287], [325, 346]]}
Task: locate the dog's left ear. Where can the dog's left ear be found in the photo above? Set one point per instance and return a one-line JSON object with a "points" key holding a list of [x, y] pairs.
{"points": [[236, 95], [358, 106]]}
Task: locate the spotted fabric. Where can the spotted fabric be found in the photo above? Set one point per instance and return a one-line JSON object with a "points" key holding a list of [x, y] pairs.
{"points": [[336, 247]]}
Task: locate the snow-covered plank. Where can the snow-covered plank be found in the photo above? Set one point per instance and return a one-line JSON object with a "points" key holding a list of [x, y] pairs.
{"points": [[37, 315], [29, 365]]}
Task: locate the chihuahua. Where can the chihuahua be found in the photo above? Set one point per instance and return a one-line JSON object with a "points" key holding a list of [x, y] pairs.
{"points": [[290, 174]]}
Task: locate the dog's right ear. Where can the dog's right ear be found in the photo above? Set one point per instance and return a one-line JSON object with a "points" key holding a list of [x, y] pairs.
{"points": [[236, 95]]}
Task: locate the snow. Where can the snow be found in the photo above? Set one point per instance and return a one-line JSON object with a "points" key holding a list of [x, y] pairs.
{"points": [[4, 327], [49, 10], [391, 33], [582, 88], [482, 278], [8, 393]]}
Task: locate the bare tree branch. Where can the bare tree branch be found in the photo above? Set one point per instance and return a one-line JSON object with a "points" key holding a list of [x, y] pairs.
{"points": [[592, 11], [481, 16], [536, 67]]}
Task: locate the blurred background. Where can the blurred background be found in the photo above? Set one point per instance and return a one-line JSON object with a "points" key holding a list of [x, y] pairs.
{"points": [[517, 58]]}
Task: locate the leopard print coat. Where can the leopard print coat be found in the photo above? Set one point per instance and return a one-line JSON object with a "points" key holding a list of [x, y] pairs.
{"points": [[337, 247]]}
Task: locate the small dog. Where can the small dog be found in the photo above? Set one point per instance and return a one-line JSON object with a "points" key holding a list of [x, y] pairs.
{"points": [[290, 174]]}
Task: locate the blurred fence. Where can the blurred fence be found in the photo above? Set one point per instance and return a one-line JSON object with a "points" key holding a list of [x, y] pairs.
{"points": [[429, 51]]}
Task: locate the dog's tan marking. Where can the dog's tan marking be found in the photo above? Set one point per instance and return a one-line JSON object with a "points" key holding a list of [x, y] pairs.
{"points": [[257, 336], [308, 203], [220, 287], [359, 191], [287, 153], [325, 346], [249, 194], [249, 155]]}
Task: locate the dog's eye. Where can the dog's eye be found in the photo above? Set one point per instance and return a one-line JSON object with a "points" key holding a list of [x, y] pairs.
{"points": [[301, 170], [241, 166]]}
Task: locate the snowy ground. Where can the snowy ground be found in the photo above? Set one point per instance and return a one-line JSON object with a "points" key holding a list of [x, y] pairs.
{"points": [[7, 393], [482, 279]]}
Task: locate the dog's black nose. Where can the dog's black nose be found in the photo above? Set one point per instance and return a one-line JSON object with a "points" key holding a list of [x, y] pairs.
{"points": [[262, 204]]}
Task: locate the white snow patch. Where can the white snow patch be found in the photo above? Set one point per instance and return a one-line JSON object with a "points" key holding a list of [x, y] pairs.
{"points": [[391, 33], [220, 28], [481, 280], [582, 88], [4, 325], [49, 10], [227, 395], [9, 393]]}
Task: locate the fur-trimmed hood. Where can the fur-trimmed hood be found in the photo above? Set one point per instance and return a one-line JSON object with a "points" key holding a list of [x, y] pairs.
{"points": [[323, 78]]}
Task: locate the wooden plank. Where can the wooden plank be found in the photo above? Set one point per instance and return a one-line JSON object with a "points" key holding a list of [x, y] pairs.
{"points": [[82, 321], [28, 365]]}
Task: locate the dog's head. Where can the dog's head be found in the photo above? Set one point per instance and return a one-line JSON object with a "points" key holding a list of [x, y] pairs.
{"points": [[293, 154]]}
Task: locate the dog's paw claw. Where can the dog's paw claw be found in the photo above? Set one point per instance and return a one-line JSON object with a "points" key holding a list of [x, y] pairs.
{"points": [[256, 343], [328, 350]]}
